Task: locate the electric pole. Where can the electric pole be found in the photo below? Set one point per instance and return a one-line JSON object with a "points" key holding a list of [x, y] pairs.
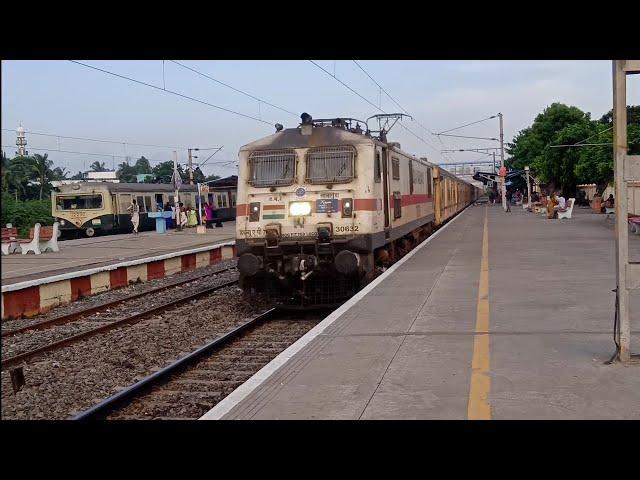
{"points": [[504, 179], [190, 168]]}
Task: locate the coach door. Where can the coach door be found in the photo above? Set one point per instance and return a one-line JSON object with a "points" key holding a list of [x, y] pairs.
{"points": [[385, 187]]}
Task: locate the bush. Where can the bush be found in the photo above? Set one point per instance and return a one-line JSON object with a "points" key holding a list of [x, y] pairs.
{"points": [[25, 214]]}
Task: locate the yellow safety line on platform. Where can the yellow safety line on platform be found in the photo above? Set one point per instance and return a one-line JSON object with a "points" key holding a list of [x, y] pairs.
{"points": [[479, 408]]}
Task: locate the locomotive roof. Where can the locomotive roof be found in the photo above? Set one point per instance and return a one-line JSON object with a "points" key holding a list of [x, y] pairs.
{"points": [[325, 136], [125, 187], [320, 136]]}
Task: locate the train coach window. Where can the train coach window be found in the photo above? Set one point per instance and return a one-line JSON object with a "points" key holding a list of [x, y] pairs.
{"points": [[395, 168], [429, 191], [330, 164], [140, 202], [79, 202], [269, 168], [376, 168]]}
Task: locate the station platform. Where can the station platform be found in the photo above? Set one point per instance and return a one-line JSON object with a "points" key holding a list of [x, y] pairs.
{"points": [[105, 250], [496, 316], [33, 284]]}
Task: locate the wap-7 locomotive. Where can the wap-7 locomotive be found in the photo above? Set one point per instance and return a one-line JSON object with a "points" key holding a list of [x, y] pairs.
{"points": [[321, 207]]}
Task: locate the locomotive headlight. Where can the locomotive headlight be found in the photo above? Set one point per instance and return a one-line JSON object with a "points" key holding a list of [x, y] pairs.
{"points": [[298, 209], [62, 222]]}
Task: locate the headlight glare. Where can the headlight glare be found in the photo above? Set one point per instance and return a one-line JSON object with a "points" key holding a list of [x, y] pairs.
{"points": [[297, 209]]}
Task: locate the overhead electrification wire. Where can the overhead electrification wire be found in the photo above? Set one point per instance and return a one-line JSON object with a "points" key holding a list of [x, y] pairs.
{"points": [[104, 141], [233, 88], [466, 125], [172, 92], [389, 95], [210, 156], [109, 155], [372, 104]]}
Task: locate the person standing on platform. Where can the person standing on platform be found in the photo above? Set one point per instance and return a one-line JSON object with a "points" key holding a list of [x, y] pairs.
{"points": [[208, 213], [169, 221], [134, 208]]}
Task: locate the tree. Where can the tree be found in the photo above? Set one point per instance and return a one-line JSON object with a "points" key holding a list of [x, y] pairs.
{"points": [[98, 166], [595, 164], [633, 116], [198, 176], [164, 171], [78, 176], [19, 171], [42, 167], [557, 124], [142, 165], [59, 173], [126, 173]]}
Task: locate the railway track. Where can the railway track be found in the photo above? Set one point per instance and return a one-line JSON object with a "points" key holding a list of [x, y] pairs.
{"points": [[110, 323], [192, 385]]}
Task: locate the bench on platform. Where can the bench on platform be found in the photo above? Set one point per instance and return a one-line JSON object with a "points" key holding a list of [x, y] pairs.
{"points": [[50, 237], [33, 244], [566, 213], [9, 240]]}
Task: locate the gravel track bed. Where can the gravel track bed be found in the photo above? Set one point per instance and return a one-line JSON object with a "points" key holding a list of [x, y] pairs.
{"points": [[26, 341], [64, 382], [117, 294], [194, 391]]}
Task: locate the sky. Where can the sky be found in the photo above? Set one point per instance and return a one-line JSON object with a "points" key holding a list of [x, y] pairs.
{"points": [[63, 98]]}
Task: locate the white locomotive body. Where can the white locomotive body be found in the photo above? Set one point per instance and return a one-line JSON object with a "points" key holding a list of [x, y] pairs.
{"points": [[319, 206]]}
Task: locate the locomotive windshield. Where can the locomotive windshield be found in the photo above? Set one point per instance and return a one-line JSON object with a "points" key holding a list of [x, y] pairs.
{"points": [[330, 164], [78, 202], [269, 168]]}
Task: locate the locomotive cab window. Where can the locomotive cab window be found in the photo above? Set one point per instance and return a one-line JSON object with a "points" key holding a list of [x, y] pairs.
{"points": [[79, 202], [330, 164], [376, 168], [428, 180], [395, 168], [270, 168]]}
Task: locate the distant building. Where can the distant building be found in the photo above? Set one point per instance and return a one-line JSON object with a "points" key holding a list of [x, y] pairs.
{"points": [[21, 142], [141, 177], [108, 176]]}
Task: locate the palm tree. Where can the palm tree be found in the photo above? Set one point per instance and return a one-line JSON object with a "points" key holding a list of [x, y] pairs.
{"points": [[98, 166], [42, 166], [19, 171], [59, 173]]}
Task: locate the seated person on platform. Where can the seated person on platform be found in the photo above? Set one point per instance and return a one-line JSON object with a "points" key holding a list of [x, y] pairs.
{"points": [[551, 204], [562, 204], [608, 203]]}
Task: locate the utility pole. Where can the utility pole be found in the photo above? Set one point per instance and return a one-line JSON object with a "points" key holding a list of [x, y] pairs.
{"points": [[176, 184], [190, 168], [626, 169], [504, 179], [526, 169]]}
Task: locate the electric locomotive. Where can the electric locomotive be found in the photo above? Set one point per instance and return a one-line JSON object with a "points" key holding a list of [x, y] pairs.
{"points": [[322, 206]]}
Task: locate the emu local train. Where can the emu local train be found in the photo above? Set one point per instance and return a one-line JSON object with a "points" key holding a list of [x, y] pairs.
{"points": [[322, 206], [93, 208]]}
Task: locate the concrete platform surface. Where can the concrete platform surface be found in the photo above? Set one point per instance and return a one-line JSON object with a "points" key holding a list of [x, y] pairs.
{"points": [[500, 316], [106, 250]]}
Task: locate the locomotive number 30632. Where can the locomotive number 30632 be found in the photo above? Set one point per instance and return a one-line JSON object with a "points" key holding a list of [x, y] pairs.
{"points": [[347, 228]]}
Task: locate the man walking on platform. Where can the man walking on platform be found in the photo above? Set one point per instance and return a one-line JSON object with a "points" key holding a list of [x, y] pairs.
{"points": [[134, 208]]}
